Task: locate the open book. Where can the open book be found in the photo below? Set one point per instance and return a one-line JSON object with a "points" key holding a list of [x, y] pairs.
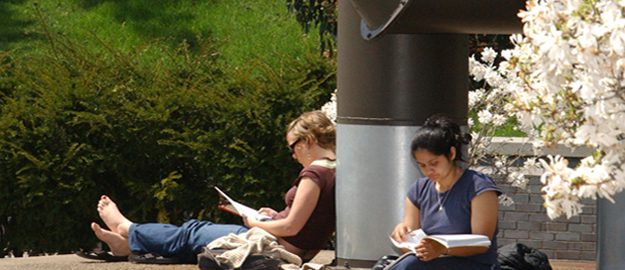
{"points": [[240, 209], [447, 240]]}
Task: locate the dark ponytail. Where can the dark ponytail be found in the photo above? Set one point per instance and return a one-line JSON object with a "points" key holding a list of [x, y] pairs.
{"points": [[438, 135]]}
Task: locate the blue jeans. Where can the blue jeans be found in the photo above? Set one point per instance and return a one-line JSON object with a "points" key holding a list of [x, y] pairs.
{"points": [[183, 242], [457, 263]]}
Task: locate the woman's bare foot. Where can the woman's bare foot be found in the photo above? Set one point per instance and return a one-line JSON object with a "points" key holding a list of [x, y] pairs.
{"points": [[117, 243], [112, 217]]}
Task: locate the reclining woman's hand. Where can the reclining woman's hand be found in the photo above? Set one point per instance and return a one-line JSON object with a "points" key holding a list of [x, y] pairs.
{"points": [[429, 249], [249, 222], [267, 211]]}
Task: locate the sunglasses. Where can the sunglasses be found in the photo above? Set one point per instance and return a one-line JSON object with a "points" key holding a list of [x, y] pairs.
{"points": [[292, 145]]}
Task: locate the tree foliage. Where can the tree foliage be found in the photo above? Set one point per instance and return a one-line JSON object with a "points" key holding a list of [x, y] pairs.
{"points": [[318, 13]]}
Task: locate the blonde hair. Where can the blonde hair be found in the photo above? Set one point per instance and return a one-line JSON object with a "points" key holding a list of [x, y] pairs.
{"points": [[315, 126]]}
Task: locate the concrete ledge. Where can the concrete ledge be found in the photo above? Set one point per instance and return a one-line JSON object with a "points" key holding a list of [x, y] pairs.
{"points": [[522, 146]]}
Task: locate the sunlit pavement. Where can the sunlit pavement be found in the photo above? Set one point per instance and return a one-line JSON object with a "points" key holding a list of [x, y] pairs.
{"points": [[72, 262]]}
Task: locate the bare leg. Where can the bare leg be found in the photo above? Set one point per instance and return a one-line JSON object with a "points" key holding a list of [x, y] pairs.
{"points": [[117, 243], [112, 217]]}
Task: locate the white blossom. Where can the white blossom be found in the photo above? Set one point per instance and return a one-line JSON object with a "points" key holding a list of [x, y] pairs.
{"points": [[485, 116], [505, 200], [475, 97], [564, 82], [489, 55], [517, 179], [330, 108], [476, 69]]}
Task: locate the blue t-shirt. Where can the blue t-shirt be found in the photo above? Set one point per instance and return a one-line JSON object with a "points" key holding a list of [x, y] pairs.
{"points": [[455, 215]]}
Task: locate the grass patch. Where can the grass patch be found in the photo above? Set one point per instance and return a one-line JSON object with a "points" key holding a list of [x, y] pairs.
{"points": [[506, 130], [260, 30], [509, 130]]}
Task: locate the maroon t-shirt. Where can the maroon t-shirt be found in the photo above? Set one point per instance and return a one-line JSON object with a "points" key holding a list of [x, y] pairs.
{"points": [[322, 222]]}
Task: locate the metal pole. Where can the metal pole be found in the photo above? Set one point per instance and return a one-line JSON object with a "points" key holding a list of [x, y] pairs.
{"points": [[387, 88], [610, 233]]}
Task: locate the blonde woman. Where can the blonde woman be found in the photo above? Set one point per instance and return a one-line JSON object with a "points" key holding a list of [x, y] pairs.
{"points": [[303, 227]]}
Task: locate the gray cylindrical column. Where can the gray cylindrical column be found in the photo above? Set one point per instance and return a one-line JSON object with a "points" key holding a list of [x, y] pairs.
{"points": [[387, 88], [373, 175], [611, 233]]}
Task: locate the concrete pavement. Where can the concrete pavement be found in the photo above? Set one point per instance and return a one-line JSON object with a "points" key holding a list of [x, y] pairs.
{"points": [[73, 262]]}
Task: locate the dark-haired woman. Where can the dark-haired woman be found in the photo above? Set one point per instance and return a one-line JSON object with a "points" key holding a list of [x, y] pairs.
{"points": [[447, 200], [302, 227]]}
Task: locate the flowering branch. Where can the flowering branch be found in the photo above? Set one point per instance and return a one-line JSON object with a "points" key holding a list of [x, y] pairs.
{"points": [[487, 103], [564, 83]]}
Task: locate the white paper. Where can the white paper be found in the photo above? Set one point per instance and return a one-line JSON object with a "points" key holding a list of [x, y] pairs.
{"points": [[244, 210]]}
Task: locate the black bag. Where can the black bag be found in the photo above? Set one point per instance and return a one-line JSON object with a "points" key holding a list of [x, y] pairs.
{"points": [[206, 261], [383, 262], [521, 257], [388, 262]]}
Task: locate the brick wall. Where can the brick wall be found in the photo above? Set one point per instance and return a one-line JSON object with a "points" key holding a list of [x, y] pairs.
{"points": [[526, 222]]}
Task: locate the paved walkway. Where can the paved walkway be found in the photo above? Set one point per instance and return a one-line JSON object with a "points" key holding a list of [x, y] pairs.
{"points": [[73, 262]]}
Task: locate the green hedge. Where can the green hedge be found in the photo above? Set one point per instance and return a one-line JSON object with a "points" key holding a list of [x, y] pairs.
{"points": [[154, 133]]}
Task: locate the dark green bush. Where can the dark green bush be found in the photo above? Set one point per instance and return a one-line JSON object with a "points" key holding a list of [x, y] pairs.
{"points": [[154, 133]]}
